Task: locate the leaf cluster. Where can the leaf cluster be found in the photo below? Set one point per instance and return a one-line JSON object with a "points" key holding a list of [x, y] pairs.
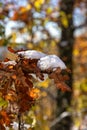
{"points": [[17, 92]]}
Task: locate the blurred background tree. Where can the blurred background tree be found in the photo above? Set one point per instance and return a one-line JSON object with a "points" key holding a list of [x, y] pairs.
{"points": [[65, 47], [54, 27], [70, 12]]}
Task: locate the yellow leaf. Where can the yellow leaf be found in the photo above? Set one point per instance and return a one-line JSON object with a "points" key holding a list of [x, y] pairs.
{"points": [[28, 7], [64, 19], [76, 52], [44, 83], [49, 10], [30, 45], [25, 9], [1, 42], [38, 3], [14, 36]]}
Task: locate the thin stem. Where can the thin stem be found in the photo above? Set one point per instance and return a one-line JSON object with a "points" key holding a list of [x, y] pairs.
{"points": [[19, 121]]}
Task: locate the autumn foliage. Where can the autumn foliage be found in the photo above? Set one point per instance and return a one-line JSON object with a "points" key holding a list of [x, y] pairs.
{"points": [[17, 92]]}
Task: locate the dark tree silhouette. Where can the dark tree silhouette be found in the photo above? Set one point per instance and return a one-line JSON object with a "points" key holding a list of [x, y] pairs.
{"points": [[65, 49]]}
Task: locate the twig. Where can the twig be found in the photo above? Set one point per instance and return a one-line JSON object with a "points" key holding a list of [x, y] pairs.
{"points": [[58, 119], [19, 119]]}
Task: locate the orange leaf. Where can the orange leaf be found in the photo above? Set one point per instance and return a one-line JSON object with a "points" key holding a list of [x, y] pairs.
{"points": [[14, 76], [4, 118], [6, 60], [34, 93], [63, 87], [11, 50], [10, 97], [10, 66], [1, 65]]}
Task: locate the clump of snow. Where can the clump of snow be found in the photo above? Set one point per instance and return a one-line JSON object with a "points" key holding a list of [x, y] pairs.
{"points": [[45, 61], [32, 54], [50, 62], [9, 63]]}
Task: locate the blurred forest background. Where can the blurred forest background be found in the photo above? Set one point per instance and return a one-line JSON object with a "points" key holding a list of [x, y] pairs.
{"points": [[53, 27]]}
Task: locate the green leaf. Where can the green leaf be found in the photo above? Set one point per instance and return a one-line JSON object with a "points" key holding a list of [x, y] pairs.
{"points": [[3, 103]]}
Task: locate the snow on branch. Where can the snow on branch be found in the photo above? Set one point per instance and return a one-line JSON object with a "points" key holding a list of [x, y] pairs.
{"points": [[31, 54], [45, 61], [50, 62]]}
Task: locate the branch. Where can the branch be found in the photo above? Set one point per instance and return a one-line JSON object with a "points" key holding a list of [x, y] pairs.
{"points": [[19, 119], [58, 119], [80, 26]]}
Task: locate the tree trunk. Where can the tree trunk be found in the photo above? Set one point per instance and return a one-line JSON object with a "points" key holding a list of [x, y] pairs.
{"points": [[65, 51]]}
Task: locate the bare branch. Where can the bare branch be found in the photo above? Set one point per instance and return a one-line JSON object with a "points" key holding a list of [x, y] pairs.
{"points": [[58, 119]]}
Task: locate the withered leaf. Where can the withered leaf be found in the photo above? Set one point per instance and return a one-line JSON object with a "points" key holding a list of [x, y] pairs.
{"points": [[4, 118], [14, 76], [6, 60], [29, 83], [63, 86], [2, 127], [11, 50]]}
